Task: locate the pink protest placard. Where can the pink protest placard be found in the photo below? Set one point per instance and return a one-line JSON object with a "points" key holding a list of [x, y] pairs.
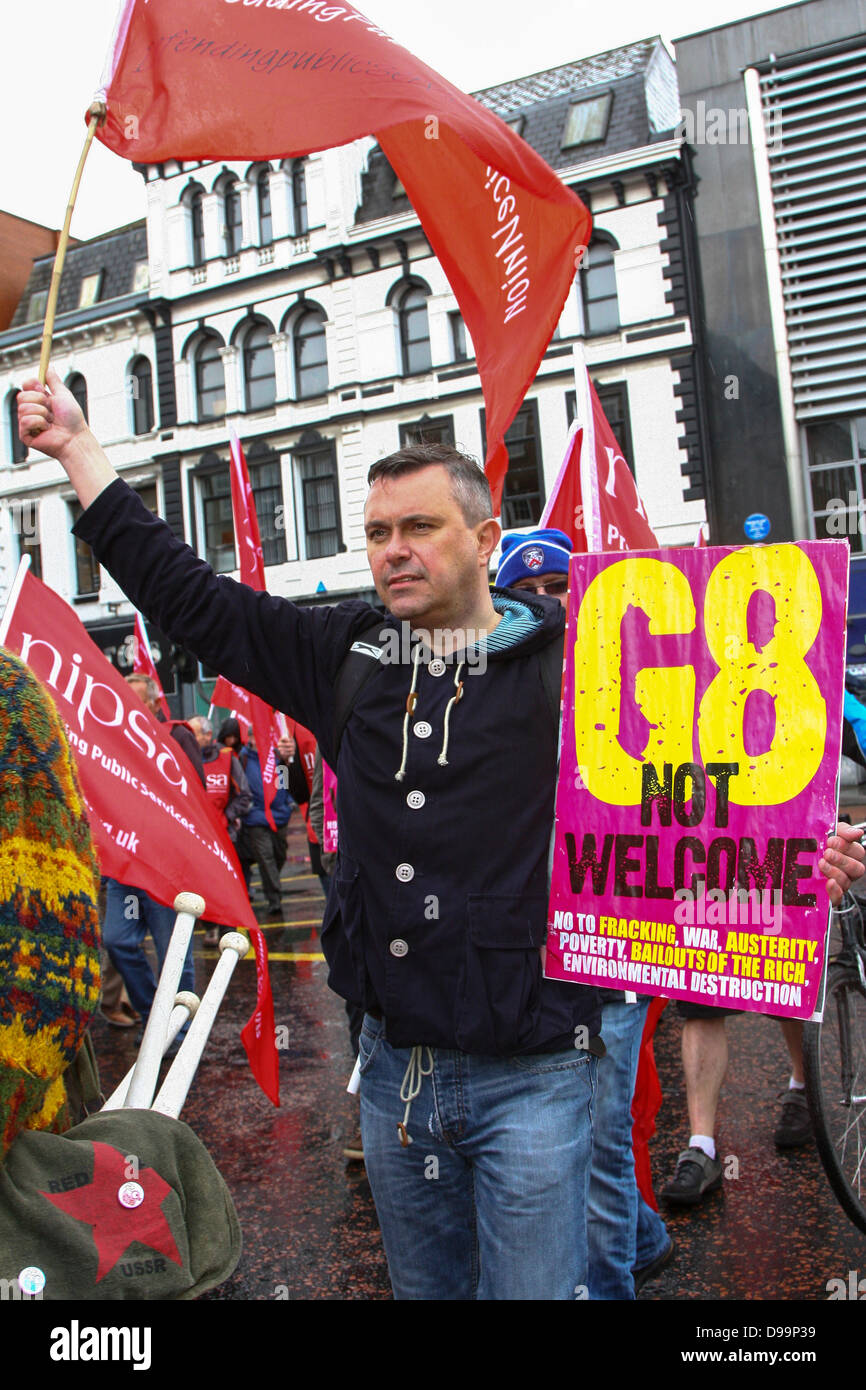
{"points": [[701, 735]]}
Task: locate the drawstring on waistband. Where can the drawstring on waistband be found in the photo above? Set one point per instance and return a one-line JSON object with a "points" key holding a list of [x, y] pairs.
{"points": [[413, 1080]]}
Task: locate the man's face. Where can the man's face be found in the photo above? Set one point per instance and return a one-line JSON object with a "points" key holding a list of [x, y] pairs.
{"points": [[202, 731], [428, 566], [553, 584], [140, 689]]}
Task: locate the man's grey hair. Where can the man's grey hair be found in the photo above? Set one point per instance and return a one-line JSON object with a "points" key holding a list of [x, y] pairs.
{"points": [[469, 486], [151, 687], [201, 725]]}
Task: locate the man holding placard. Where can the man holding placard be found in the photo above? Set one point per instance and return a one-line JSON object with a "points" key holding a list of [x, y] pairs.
{"points": [[477, 1074]]}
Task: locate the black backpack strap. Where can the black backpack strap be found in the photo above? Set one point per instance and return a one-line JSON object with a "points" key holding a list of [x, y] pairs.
{"points": [[356, 668], [551, 658]]}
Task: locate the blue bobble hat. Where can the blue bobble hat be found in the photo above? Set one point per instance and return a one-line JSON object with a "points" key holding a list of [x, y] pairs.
{"points": [[525, 556]]}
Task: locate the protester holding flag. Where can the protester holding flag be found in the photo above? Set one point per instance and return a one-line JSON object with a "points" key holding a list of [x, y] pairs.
{"points": [[438, 912], [628, 1243], [228, 789], [260, 842]]}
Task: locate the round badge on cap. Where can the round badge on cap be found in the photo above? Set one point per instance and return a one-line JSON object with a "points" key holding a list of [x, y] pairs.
{"points": [[131, 1194], [31, 1280], [399, 947], [422, 729]]}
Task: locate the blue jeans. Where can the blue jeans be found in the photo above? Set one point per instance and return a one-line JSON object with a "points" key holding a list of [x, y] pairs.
{"points": [[616, 1210], [129, 915], [489, 1200]]}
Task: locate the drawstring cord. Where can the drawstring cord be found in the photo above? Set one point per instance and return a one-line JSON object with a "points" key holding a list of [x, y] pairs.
{"points": [[411, 701], [413, 1080], [443, 759]]}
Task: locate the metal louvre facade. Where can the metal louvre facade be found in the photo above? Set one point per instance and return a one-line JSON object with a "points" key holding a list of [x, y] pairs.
{"points": [[815, 121]]}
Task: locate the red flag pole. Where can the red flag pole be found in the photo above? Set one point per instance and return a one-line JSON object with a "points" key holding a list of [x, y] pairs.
{"points": [[97, 115]]}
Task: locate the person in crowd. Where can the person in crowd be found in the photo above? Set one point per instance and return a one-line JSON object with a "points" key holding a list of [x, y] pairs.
{"points": [[447, 773], [180, 730], [228, 789], [258, 841], [49, 917], [628, 1241], [115, 1007]]}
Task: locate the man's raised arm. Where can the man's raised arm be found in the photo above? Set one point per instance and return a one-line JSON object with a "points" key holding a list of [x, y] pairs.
{"points": [[284, 653], [50, 419]]}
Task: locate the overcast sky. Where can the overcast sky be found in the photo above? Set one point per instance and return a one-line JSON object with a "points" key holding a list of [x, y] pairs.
{"points": [[53, 53]]}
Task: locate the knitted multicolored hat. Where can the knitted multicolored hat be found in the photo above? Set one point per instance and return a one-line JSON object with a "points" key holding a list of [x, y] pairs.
{"points": [[525, 555], [49, 919]]}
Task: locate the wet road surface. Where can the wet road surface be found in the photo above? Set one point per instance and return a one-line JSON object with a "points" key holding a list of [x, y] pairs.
{"points": [[774, 1231]]}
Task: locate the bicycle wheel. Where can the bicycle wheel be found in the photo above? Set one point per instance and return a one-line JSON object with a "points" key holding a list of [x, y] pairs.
{"points": [[834, 1053]]}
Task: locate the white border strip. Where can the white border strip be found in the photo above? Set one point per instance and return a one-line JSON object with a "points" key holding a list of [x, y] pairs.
{"points": [[12, 600]]}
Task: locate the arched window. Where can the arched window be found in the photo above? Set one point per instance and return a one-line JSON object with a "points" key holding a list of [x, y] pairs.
{"points": [[17, 450], [233, 218], [210, 381], [598, 287], [299, 198], [263, 195], [414, 331], [140, 387], [311, 355], [78, 386], [260, 373], [196, 208]]}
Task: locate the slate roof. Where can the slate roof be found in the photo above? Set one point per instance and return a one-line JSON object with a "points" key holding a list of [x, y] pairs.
{"points": [[114, 253], [543, 100]]}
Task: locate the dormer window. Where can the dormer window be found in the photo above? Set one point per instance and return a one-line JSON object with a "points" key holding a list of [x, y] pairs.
{"points": [[587, 121], [89, 292]]}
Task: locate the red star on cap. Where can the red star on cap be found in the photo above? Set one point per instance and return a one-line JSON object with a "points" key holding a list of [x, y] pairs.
{"points": [[115, 1227]]}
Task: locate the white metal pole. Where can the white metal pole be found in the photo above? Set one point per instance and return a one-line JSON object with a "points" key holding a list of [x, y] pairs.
{"points": [[188, 907], [175, 1087], [185, 1005]]}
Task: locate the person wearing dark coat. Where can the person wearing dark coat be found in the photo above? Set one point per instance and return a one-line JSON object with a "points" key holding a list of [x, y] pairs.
{"points": [[477, 1073]]}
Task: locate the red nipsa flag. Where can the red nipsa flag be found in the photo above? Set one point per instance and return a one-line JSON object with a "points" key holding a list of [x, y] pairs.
{"points": [[221, 79], [152, 821]]}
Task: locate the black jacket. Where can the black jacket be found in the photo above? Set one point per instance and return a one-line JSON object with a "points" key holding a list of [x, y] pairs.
{"points": [[440, 895]]}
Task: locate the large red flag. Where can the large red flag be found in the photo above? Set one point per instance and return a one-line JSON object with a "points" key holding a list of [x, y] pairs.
{"points": [[217, 79], [152, 821], [143, 663], [595, 498]]}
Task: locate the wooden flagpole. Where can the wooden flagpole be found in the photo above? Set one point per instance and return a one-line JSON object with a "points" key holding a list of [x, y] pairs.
{"points": [[97, 115]]}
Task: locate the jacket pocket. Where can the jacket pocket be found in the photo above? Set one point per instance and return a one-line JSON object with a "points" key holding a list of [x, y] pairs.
{"points": [[500, 984], [342, 934]]}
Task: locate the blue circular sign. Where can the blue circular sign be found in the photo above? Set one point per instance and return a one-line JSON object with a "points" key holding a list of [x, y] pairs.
{"points": [[757, 526]]}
